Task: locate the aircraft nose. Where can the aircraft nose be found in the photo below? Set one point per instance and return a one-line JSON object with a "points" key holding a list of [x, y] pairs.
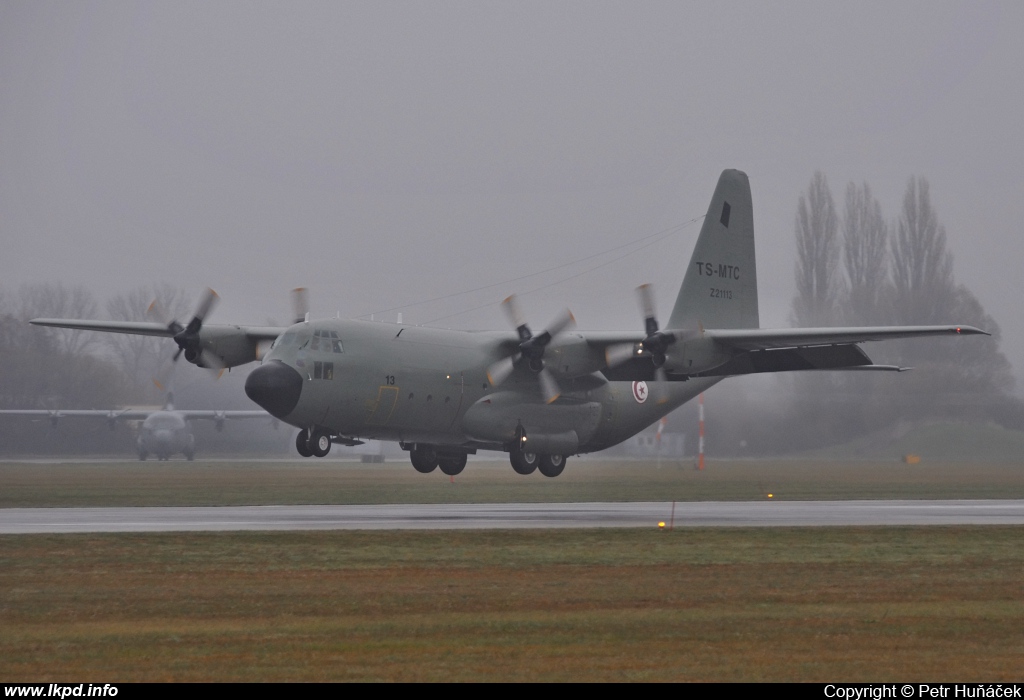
{"points": [[276, 387]]}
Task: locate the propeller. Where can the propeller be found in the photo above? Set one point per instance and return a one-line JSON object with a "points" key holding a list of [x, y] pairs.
{"points": [[187, 337], [655, 342], [300, 304], [530, 349]]}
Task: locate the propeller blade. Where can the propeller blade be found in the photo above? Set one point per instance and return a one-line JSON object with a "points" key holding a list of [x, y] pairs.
{"points": [[300, 303], [562, 322], [548, 386], [206, 304], [210, 361], [500, 370], [646, 294], [511, 307], [615, 355], [262, 348], [156, 312]]}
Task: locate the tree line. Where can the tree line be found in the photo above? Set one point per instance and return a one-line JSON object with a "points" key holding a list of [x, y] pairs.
{"points": [[859, 268], [51, 368]]}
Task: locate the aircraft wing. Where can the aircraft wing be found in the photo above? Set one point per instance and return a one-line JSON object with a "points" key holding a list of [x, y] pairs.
{"points": [[767, 338], [214, 345], [129, 327], [115, 414], [222, 415], [257, 333], [729, 352]]}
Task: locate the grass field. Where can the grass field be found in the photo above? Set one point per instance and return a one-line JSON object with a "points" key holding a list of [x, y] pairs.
{"points": [[334, 482], [810, 604]]}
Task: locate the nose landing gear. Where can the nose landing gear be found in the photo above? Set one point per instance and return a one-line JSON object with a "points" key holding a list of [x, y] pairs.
{"points": [[312, 444]]}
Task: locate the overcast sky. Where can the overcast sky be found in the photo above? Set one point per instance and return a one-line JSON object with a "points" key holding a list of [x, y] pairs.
{"points": [[384, 153]]}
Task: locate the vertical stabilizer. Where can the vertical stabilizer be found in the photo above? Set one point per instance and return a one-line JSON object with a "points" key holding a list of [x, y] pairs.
{"points": [[720, 284]]}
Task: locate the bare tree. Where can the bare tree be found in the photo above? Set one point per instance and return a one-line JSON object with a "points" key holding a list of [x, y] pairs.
{"points": [[922, 274], [865, 257], [54, 300], [141, 356], [817, 244]]}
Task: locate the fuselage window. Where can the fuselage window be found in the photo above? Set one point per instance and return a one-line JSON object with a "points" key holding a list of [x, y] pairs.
{"points": [[328, 370], [337, 346], [318, 370]]}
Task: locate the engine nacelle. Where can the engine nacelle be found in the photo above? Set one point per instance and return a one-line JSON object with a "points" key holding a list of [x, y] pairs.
{"points": [[571, 355], [229, 343]]}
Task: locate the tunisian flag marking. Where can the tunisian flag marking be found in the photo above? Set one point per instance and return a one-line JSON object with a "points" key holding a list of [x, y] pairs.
{"points": [[640, 391]]}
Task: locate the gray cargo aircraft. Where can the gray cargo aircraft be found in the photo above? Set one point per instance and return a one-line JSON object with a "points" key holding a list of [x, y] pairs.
{"points": [[445, 394], [163, 432]]}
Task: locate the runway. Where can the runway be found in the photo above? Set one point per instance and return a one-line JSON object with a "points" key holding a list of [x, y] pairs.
{"points": [[512, 516]]}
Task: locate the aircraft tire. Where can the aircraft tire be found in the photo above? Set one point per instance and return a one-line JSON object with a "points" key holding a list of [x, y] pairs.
{"points": [[551, 465], [302, 444], [423, 461], [142, 456], [190, 456], [452, 464], [523, 462], [320, 444]]}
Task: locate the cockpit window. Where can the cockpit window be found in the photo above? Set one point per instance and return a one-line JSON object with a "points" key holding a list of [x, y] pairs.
{"points": [[324, 340], [284, 339]]}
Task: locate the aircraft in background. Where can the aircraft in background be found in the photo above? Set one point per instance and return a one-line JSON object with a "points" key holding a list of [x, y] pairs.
{"points": [[162, 433], [445, 394]]}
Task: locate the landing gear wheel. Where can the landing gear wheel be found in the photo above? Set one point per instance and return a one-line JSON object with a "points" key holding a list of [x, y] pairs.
{"points": [[320, 444], [423, 461], [302, 444], [452, 464], [551, 465], [523, 462], [142, 456], [189, 456]]}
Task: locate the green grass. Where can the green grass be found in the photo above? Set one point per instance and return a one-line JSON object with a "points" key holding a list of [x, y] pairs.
{"points": [[804, 604], [329, 482]]}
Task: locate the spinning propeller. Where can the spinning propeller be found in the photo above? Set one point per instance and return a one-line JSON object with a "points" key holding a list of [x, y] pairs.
{"points": [[187, 337], [300, 309], [530, 350], [654, 344], [300, 304]]}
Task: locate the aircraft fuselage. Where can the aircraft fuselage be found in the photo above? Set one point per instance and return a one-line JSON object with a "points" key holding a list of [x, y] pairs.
{"points": [[416, 385]]}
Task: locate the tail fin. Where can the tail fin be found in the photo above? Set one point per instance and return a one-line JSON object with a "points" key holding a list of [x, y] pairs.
{"points": [[720, 285]]}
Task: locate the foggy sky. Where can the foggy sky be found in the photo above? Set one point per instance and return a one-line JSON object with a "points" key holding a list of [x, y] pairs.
{"points": [[383, 153]]}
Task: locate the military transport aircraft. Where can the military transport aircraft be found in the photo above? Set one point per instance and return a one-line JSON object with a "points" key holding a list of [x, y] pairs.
{"points": [[445, 394], [162, 433]]}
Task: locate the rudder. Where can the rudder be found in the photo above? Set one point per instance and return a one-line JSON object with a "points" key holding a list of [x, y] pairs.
{"points": [[719, 287]]}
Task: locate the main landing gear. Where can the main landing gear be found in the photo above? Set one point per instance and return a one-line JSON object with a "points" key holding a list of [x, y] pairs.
{"points": [[426, 459], [528, 462], [313, 444]]}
